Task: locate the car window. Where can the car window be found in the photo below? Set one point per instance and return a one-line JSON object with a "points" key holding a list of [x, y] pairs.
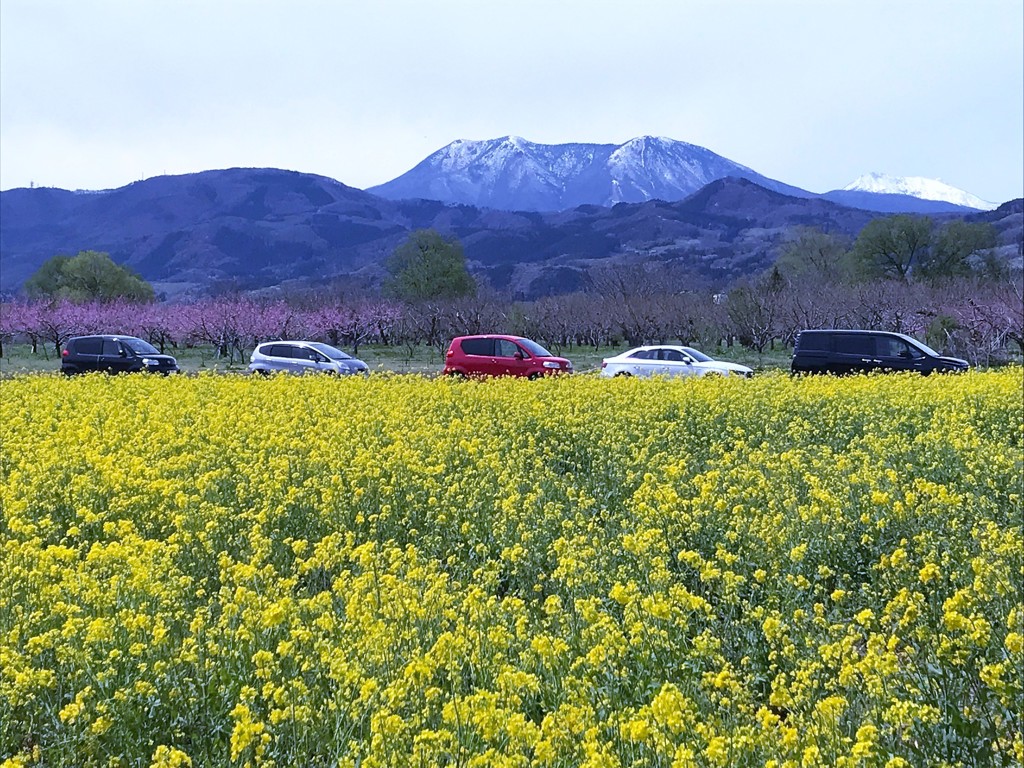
{"points": [[332, 352], [672, 355], [88, 346], [140, 347], [281, 350], [478, 346], [915, 352], [920, 349], [506, 348], [534, 348], [645, 354], [111, 348], [890, 347], [813, 342], [855, 344], [697, 355]]}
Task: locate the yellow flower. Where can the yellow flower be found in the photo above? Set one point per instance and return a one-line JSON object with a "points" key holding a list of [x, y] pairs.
{"points": [[1014, 642], [636, 730], [867, 737], [170, 757], [811, 757], [717, 750]]}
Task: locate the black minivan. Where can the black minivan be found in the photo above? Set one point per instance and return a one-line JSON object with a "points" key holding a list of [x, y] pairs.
{"points": [[114, 354], [842, 351]]}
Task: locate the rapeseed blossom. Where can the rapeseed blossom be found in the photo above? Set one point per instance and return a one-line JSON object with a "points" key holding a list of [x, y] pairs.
{"points": [[397, 571]]}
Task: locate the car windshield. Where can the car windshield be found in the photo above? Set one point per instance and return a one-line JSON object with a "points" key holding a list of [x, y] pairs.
{"points": [[331, 352], [700, 357], [140, 347], [534, 348], [921, 345]]}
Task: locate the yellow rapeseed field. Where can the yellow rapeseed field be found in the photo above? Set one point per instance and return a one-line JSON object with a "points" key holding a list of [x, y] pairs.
{"points": [[398, 571]]}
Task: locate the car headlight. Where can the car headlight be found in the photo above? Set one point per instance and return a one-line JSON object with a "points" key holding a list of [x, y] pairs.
{"points": [[150, 361], [552, 364]]}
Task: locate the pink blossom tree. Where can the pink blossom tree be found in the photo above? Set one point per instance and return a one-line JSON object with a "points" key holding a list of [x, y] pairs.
{"points": [[20, 318]]}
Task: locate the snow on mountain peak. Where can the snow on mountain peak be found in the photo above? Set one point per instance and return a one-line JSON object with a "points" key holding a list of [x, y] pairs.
{"points": [[919, 187]]}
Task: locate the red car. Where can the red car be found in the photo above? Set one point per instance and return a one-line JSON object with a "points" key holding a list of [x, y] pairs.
{"points": [[498, 355]]}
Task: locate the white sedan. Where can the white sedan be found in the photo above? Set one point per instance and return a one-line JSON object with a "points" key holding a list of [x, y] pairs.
{"points": [[663, 360]]}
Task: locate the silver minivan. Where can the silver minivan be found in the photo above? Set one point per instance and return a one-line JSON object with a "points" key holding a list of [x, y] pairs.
{"points": [[303, 357]]}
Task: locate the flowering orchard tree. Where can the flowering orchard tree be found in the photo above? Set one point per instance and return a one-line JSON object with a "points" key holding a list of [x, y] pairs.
{"points": [[384, 316], [231, 325], [341, 324], [20, 318], [159, 323], [61, 320]]}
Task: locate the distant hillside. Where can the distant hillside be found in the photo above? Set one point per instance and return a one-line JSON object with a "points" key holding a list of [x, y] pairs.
{"points": [[248, 229], [254, 226]]}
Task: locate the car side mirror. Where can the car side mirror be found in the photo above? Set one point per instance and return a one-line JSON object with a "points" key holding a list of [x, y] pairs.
{"points": [[123, 353], [906, 354], [518, 355]]}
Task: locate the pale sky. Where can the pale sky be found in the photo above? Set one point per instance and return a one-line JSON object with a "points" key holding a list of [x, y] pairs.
{"points": [[96, 94]]}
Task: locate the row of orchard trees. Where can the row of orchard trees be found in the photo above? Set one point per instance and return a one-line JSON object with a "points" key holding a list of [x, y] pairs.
{"points": [[979, 320], [230, 325]]}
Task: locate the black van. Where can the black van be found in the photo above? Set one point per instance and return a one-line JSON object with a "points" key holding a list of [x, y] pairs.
{"points": [[113, 354], [835, 351]]}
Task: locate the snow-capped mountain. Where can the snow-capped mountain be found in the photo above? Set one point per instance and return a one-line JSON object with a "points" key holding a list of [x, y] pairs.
{"points": [[919, 187], [511, 173]]}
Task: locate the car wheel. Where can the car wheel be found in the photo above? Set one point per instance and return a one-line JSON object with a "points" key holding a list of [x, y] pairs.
{"points": [[533, 376], [625, 374]]}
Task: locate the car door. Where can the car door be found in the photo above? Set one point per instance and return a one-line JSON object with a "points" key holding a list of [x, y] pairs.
{"points": [[291, 358], [279, 357], [510, 358], [114, 357], [313, 361], [657, 362], [479, 358], [897, 355], [853, 353], [675, 363], [643, 363], [304, 359]]}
